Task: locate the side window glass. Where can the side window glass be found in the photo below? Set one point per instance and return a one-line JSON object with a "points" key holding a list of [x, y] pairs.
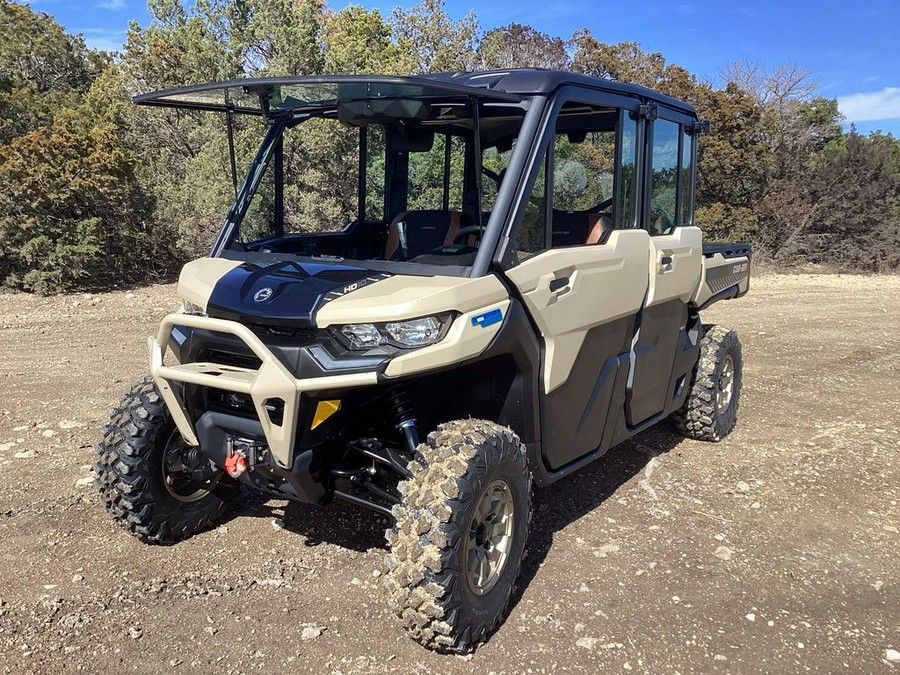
{"points": [[586, 202], [584, 169], [628, 160], [584, 166], [531, 236], [664, 177], [687, 198], [494, 162]]}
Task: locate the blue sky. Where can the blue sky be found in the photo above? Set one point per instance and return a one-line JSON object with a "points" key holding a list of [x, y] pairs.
{"points": [[851, 48]]}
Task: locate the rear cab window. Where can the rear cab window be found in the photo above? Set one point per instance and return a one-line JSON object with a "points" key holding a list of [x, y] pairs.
{"points": [[670, 176]]}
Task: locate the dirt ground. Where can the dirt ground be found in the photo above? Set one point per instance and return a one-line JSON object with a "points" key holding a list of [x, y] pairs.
{"points": [[774, 551]]}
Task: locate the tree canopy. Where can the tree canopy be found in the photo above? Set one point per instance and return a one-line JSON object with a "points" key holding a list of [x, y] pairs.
{"points": [[94, 192]]}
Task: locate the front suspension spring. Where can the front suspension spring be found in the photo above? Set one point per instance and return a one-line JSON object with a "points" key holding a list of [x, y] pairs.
{"points": [[402, 415]]}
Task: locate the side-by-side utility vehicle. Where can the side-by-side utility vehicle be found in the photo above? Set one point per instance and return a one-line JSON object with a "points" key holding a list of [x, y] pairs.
{"points": [[431, 293]]}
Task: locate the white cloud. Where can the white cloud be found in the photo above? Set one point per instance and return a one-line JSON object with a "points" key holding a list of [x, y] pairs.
{"points": [[111, 4], [876, 105]]}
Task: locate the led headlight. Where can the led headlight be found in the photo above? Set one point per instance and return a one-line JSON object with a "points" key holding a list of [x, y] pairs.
{"points": [[404, 334], [414, 333], [189, 307], [361, 335]]}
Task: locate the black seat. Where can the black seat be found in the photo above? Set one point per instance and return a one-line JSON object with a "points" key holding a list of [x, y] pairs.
{"points": [[424, 232], [576, 228]]}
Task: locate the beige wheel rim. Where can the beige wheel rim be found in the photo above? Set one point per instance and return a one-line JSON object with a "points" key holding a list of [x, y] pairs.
{"points": [[725, 385], [489, 537]]}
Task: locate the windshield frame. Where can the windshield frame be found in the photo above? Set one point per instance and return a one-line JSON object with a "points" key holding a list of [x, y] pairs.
{"points": [[257, 92], [493, 229]]}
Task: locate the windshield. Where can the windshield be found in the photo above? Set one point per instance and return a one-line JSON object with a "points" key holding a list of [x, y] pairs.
{"points": [[394, 178], [269, 95]]}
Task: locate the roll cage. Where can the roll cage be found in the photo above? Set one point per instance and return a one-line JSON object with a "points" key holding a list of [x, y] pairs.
{"points": [[417, 103]]}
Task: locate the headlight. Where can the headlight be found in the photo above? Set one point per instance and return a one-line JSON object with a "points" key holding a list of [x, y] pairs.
{"points": [[361, 335], [405, 334], [189, 307], [414, 333]]}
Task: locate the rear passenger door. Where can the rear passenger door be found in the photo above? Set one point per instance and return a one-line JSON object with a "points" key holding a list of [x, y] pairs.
{"points": [[663, 346], [583, 297]]}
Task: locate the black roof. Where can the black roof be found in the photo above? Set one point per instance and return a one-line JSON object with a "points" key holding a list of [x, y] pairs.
{"points": [[242, 95], [498, 85], [537, 81]]}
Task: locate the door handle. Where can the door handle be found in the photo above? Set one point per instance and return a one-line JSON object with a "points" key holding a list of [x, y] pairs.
{"points": [[666, 262], [559, 284]]}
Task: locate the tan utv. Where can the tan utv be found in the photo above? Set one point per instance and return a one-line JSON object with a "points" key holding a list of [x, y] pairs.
{"points": [[430, 295]]}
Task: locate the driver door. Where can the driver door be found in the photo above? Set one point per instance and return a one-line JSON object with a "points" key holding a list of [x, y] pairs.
{"points": [[583, 291]]}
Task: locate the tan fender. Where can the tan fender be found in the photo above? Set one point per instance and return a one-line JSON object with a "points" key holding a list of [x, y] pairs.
{"points": [[199, 277], [464, 340], [407, 297]]}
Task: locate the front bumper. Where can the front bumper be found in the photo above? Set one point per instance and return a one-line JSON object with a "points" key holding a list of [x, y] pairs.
{"points": [[272, 381]]}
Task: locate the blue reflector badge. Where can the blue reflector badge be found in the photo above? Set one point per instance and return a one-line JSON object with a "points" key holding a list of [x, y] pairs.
{"points": [[488, 318]]}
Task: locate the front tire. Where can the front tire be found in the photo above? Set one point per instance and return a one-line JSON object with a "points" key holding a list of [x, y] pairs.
{"points": [[149, 481], [460, 532], [710, 411]]}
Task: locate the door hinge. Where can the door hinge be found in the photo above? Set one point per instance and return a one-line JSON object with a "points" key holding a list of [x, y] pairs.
{"points": [[648, 111]]}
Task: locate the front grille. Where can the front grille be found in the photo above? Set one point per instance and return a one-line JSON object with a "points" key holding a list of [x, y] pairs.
{"points": [[283, 331], [240, 404], [223, 358], [233, 402]]}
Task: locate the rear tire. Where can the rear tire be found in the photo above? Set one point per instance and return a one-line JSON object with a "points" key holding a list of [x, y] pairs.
{"points": [[460, 533], [136, 481], [710, 411]]}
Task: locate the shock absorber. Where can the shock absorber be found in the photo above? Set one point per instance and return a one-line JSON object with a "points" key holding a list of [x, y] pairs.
{"points": [[402, 415]]}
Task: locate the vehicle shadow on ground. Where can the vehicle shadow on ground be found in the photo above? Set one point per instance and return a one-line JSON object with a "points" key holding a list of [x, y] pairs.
{"points": [[573, 497], [345, 525], [358, 529]]}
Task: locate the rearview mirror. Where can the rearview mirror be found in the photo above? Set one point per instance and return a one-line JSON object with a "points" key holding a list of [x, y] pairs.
{"points": [[367, 111]]}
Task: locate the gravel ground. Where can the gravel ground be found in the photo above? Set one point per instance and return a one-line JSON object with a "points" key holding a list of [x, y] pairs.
{"points": [[775, 550]]}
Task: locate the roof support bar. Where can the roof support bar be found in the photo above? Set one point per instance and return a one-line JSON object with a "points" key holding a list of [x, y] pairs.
{"points": [[476, 120], [229, 123], [448, 142]]}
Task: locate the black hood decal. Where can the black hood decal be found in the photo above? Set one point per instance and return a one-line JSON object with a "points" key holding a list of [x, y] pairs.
{"points": [[284, 293]]}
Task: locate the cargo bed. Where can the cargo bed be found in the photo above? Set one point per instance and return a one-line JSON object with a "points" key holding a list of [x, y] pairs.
{"points": [[726, 273]]}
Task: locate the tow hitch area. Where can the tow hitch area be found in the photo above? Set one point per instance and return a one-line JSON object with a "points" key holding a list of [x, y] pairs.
{"points": [[236, 464], [241, 453]]}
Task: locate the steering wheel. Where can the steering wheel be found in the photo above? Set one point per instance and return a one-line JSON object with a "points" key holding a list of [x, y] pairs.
{"points": [[466, 232]]}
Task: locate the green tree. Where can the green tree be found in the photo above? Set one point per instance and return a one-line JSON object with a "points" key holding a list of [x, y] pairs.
{"points": [[435, 42], [42, 69], [276, 37], [846, 212], [623, 61], [71, 209], [184, 154], [359, 41], [180, 47], [521, 46]]}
